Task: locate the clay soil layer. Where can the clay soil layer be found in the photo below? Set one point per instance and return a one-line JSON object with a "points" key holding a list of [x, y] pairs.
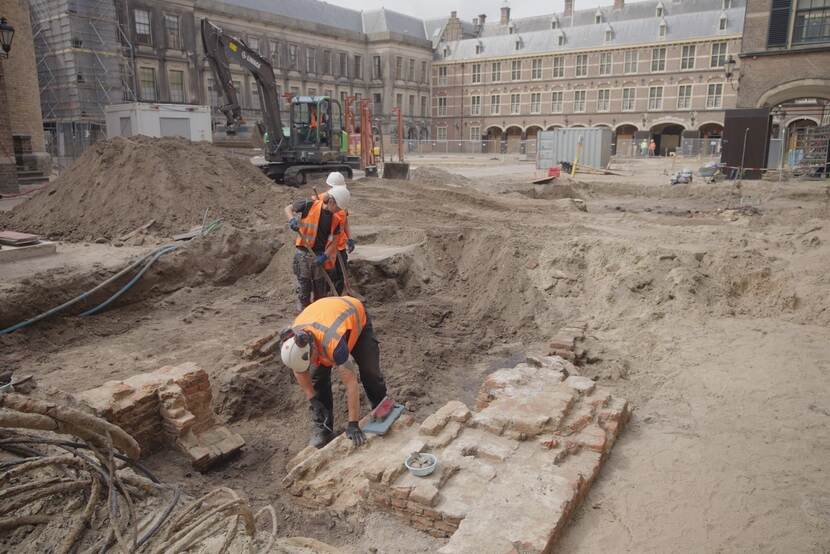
{"points": [[708, 307]]}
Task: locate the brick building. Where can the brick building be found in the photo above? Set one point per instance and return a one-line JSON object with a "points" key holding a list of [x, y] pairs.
{"points": [[785, 66], [315, 48], [22, 153], [650, 69]]}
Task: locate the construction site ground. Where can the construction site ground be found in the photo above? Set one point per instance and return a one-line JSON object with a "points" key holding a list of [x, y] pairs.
{"points": [[708, 308]]}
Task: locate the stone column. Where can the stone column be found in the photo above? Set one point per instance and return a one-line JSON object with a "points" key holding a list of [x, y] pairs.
{"points": [[8, 169]]}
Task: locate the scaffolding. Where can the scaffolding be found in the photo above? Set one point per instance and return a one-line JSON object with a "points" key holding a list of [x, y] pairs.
{"points": [[82, 67]]}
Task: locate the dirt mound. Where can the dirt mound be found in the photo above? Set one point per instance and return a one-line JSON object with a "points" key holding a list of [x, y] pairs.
{"points": [[429, 175], [122, 184]]}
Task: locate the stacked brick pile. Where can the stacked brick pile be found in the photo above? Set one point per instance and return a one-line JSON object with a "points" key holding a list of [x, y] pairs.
{"points": [[167, 407], [567, 342], [509, 475]]}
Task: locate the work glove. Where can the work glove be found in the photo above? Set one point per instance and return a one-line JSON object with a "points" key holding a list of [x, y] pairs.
{"points": [[350, 246], [321, 259], [355, 434], [294, 223]]}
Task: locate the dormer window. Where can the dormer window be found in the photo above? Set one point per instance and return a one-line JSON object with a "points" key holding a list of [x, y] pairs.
{"points": [[663, 30], [561, 39], [511, 29], [479, 48], [609, 35], [726, 4], [722, 22], [519, 44], [598, 17], [446, 52], [554, 24], [660, 10]]}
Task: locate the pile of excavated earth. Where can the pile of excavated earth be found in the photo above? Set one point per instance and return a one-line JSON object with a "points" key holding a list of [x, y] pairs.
{"points": [[525, 329]]}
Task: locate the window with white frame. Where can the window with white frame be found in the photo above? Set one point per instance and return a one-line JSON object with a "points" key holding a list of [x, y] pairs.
{"points": [[628, 99], [518, 44], [722, 23], [442, 105], [535, 102], [609, 35], [176, 82], [687, 57], [684, 97], [475, 133], [556, 101], [443, 75], [377, 67], [441, 133], [311, 60], [581, 69], [411, 69], [344, 64], [663, 30], [243, 102], [603, 100], [655, 98], [554, 23], [561, 40], [811, 23], [516, 70], [253, 44], [579, 100], [423, 106], [558, 67], [292, 56], [718, 57], [714, 96], [476, 73], [495, 104], [411, 106], [171, 31], [536, 70], [475, 105], [358, 67], [658, 59], [479, 48], [495, 72], [147, 82], [275, 53], [515, 103], [143, 32], [605, 61], [255, 94], [631, 59], [598, 18], [399, 68], [660, 10], [424, 72], [398, 101], [213, 93]]}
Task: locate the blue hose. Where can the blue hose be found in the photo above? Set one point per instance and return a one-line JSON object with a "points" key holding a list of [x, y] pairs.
{"points": [[152, 257], [158, 254]]}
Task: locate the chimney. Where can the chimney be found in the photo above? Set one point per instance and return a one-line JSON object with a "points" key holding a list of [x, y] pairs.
{"points": [[569, 7], [482, 17], [505, 15], [453, 14], [618, 4]]}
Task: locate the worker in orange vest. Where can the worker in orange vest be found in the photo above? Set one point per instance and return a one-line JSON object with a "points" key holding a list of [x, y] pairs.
{"points": [[345, 243], [319, 227], [328, 333]]}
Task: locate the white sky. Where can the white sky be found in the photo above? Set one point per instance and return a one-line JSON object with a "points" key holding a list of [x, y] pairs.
{"points": [[468, 9]]}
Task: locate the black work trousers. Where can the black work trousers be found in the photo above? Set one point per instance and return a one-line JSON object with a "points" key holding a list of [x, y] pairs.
{"points": [[337, 275], [366, 354], [311, 283]]}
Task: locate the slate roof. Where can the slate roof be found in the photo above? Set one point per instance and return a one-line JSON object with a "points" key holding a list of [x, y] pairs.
{"points": [[636, 23], [317, 11]]}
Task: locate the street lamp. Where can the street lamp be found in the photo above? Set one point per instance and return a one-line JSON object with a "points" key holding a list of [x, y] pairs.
{"points": [[6, 36], [729, 67]]}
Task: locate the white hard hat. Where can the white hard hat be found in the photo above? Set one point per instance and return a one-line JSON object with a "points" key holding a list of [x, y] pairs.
{"points": [[341, 195], [335, 179], [294, 356]]}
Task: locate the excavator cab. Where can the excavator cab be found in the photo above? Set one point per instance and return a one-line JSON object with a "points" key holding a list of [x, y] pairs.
{"points": [[316, 123]]}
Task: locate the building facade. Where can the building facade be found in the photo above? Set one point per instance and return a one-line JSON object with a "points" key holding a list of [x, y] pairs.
{"points": [[315, 49], [645, 70], [22, 153]]}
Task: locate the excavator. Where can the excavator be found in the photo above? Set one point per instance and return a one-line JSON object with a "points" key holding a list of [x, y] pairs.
{"points": [[313, 142]]}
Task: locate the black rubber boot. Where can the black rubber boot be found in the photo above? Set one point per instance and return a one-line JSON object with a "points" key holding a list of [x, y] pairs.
{"points": [[321, 427]]}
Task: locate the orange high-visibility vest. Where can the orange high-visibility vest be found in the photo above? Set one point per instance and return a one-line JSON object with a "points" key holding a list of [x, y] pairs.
{"points": [[327, 320], [343, 237], [308, 230], [313, 120]]}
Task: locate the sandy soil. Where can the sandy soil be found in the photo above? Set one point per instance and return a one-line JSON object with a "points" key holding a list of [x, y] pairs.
{"points": [[708, 309]]}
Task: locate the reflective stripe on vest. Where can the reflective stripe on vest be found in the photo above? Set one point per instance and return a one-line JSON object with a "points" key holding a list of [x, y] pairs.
{"points": [[329, 336], [309, 226]]}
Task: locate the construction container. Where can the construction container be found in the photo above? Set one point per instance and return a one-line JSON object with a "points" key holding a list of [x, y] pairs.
{"points": [[592, 147], [159, 120]]}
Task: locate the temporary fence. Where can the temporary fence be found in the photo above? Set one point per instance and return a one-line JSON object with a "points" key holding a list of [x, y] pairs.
{"points": [[689, 148], [493, 147]]}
